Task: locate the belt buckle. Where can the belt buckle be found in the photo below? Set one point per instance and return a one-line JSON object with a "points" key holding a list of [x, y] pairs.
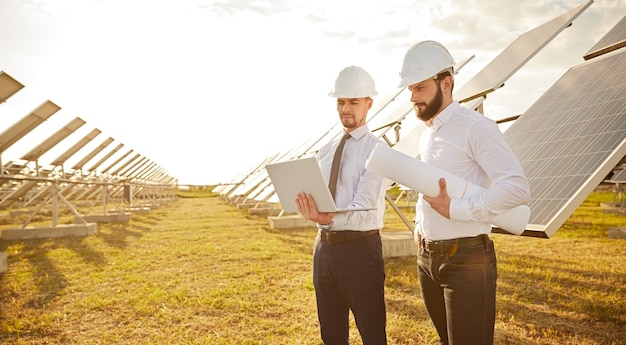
{"points": [[329, 236], [433, 246]]}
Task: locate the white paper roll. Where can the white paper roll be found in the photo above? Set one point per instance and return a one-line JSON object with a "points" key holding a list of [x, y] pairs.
{"points": [[424, 178]]}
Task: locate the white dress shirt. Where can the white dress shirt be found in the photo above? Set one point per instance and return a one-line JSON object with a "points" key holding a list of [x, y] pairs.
{"points": [[356, 186], [468, 144]]}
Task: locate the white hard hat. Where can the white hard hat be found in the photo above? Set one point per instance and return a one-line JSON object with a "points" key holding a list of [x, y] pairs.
{"points": [[353, 82], [424, 60]]}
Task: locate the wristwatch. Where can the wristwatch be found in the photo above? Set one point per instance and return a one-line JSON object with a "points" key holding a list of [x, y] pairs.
{"points": [[325, 227]]}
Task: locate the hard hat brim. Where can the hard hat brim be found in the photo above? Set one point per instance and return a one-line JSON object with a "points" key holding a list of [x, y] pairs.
{"points": [[414, 79], [406, 81], [352, 95]]}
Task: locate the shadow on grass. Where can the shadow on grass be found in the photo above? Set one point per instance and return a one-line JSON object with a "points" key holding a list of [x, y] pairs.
{"points": [[119, 233], [48, 280]]}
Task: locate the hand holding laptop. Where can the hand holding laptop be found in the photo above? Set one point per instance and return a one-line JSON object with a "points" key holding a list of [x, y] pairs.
{"points": [[303, 175], [308, 210]]}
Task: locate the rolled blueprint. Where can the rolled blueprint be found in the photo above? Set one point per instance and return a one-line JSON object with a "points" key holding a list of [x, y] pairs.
{"points": [[424, 178]]}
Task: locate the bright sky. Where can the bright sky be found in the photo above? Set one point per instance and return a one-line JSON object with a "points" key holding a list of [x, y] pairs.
{"points": [[208, 89]]}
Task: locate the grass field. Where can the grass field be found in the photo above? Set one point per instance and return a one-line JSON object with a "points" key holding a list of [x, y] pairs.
{"points": [[199, 271]]}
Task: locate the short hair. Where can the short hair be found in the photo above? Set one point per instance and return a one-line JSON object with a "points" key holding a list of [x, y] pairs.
{"points": [[447, 73]]}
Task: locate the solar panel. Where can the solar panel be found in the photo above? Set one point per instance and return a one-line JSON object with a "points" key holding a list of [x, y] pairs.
{"points": [[266, 194], [106, 157], [234, 183], [92, 154], [123, 166], [516, 55], [131, 166], [79, 145], [146, 171], [571, 138], [133, 169], [396, 116], [254, 193], [150, 172], [54, 139], [382, 104], [27, 124], [8, 86], [250, 184], [612, 40]]}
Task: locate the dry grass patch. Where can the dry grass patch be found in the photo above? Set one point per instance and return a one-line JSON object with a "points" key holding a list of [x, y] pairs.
{"points": [[199, 271]]}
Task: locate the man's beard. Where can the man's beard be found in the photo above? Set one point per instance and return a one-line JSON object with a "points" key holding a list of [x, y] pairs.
{"points": [[348, 123], [432, 108]]}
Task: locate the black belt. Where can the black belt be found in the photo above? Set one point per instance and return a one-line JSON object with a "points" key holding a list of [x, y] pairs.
{"points": [[345, 235], [445, 245]]}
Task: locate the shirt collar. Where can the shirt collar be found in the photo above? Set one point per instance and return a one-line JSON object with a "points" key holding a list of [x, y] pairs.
{"points": [[444, 116], [359, 132]]}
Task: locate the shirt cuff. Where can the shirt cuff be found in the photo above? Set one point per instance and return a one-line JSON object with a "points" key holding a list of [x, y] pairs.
{"points": [[460, 209]]}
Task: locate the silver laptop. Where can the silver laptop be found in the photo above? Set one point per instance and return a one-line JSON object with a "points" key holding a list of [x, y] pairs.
{"points": [[303, 175]]}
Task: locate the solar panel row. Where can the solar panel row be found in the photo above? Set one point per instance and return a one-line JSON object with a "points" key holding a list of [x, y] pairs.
{"points": [[26, 183]]}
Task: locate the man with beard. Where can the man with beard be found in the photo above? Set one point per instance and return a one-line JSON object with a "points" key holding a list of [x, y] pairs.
{"points": [[456, 259], [348, 267]]}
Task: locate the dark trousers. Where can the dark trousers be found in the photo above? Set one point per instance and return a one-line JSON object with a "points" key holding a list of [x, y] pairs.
{"points": [[458, 284], [350, 276]]}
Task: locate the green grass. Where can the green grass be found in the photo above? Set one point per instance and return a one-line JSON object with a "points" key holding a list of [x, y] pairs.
{"points": [[199, 271]]}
